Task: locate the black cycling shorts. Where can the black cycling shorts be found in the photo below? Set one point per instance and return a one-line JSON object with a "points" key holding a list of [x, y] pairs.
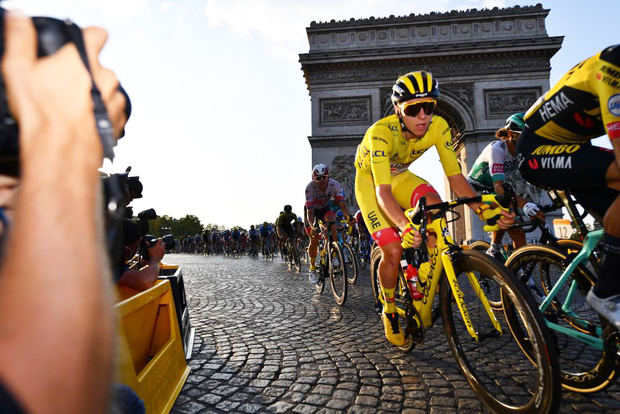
{"points": [[319, 213], [578, 168]]}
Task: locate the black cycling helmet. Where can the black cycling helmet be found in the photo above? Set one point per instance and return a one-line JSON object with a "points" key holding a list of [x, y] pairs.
{"points": [[418, 84], [515, 122], [288, 208]]}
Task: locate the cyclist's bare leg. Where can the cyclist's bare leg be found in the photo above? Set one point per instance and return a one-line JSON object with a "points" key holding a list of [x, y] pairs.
{"points": [[518, 237], [388, 266], [312, 247]]}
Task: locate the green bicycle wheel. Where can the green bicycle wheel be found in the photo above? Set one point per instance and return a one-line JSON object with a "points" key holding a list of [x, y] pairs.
{"points": [[584, 369]]}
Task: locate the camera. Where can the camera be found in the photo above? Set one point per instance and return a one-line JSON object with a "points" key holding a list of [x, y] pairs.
{"points": [[149, 240], [52, 34]]}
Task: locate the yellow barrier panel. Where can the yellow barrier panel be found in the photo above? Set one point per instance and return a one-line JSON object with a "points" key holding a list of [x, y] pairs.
{"points": [[151, 356]]}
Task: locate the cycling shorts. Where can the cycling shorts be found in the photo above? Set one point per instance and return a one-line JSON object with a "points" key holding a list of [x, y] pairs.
{"points": [[407, 189], [579, 168]]}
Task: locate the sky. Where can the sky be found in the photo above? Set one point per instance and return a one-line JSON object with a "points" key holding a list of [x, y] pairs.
{"points": [[221, 113]]}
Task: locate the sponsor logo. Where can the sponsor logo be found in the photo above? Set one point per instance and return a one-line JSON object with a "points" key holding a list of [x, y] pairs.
{"points": [[557, 163], [379, 139], [378, 153], [554, 106], [374, 221], [599, 76], [555, 149], [533, 164], [583, 121], [613, 130], [445, 131], [613, 104], [448, 146], [497, 169], [610, 71], [393, 128], [614, 83]]}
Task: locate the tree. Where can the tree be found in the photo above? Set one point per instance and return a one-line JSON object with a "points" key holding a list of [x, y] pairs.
{"points": [[188, 225]]}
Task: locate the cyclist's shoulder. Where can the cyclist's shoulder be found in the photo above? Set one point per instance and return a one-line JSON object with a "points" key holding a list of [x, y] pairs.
{"points": [[385, 127], [333, 182]]}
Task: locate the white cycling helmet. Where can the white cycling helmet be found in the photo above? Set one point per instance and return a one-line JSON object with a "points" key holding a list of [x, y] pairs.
{"points": [[320, 170]]}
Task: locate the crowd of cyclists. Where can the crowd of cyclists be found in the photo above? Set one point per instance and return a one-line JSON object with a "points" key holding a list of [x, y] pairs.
{"points": [[268, 239]]}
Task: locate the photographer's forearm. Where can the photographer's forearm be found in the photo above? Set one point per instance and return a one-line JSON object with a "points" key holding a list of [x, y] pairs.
{"points": [[56, 286]]}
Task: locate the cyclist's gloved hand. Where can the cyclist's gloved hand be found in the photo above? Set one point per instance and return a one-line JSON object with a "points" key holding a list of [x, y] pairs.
{"points": [[496, 217], [530, 209], [411, 237]]}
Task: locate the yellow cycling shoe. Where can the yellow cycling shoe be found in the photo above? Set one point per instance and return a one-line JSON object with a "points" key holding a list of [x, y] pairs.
{"points": [[393, 333]]}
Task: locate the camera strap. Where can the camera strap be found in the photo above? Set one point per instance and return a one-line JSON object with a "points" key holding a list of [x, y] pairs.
{"points": [[102, 120]]}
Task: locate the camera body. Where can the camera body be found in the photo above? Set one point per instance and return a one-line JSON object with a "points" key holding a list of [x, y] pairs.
{"points": [[150, 240]]}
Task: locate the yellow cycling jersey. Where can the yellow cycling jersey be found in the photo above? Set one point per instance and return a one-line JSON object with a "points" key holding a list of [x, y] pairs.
{"points": [[584, 104], [384, 152]]}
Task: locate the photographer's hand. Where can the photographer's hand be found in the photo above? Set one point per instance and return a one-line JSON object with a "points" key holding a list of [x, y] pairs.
{"points": [[55, 90], [156, 252]]}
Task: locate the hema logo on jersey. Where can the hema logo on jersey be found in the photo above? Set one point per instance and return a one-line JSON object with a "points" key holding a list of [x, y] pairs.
{"points": [[613, 104]]}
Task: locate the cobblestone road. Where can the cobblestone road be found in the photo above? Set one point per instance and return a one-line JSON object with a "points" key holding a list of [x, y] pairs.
{"points": [[266, 342]]}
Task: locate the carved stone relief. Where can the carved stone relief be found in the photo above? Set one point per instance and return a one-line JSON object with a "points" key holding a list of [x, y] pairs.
{"points": [[333, 75], [345, 111], [343, 171], [502, 103]]}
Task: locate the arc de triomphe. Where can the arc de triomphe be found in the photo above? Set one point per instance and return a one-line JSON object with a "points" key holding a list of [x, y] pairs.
{"points": [[490, 63]]}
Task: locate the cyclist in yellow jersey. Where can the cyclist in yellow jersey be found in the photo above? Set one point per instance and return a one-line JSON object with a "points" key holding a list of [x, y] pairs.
{"points": [[556, 152], [384, 186]]}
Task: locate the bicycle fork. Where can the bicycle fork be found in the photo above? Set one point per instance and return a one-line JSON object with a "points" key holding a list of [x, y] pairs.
{"points": [[459, 296]]}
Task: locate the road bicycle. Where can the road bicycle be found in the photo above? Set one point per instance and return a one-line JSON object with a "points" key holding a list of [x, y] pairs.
{"points": [[350, 259], [331, 264], [291, 253], [504, 378]]}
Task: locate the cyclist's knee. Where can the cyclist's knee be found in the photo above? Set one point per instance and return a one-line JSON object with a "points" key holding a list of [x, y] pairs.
{"points": [[392, 253]]}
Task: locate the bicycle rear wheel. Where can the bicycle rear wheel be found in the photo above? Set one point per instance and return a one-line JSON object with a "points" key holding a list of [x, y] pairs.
{"points": [[501, 374], [337, 273], [350, 263], [584, 368]]}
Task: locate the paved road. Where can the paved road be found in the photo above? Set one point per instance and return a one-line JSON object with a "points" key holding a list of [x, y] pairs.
{"points": [[266, 342]]}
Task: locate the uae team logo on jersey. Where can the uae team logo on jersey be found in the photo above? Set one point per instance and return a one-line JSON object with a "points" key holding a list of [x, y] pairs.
{"points": [[613, 104]]}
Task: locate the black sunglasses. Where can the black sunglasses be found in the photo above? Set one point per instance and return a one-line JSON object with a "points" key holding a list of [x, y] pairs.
{"points": [[414, 109]]}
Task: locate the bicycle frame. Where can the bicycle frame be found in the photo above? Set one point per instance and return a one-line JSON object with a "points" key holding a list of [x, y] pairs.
{"points": [[590, 242], [440, 261]]}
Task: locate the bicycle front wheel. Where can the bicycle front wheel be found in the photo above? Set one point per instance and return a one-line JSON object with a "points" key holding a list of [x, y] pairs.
{"points": [[500, 373], [337, 273], [350, 263], [585, 368]]}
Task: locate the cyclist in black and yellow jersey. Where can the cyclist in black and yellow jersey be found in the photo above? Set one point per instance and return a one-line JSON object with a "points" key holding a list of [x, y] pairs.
{"points": [[384, 186], [556, 152]]}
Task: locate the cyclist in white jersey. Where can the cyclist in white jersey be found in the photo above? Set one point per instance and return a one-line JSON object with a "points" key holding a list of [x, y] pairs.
{"points": [[494, 166]]}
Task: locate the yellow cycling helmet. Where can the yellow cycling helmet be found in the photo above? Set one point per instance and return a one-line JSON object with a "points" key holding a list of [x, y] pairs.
{"points": [[418, 84]]}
